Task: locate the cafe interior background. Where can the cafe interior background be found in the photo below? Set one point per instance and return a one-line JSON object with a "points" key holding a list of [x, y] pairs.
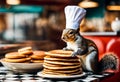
{"points": [[39, 20], [39, 23]]}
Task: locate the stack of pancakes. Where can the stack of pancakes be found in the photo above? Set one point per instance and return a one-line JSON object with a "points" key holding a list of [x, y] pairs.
{"points": [[25, 55], [59, 62]]}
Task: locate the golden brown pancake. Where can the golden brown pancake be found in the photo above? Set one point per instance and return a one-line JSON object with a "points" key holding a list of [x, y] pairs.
{"points": [[61, 58], [14, 55], [62, 62], [38, 55], [76, 72], [62, 70], [59, 53], [37, 61], [21, 60], [25, 51]]}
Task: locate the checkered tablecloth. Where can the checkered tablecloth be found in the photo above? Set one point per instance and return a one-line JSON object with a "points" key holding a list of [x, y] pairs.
{"points": [[8, 76]]}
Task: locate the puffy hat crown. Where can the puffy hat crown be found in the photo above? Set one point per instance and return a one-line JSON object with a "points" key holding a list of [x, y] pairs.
{"points": [[74, 16]]}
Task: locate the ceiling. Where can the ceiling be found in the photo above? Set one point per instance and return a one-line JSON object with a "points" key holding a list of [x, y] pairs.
{"points": [[52, 4], [45, 2], [57, 4]]}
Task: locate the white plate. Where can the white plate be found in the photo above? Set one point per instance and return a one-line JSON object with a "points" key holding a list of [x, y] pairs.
{"points": [[60, 76], [23, 67]]}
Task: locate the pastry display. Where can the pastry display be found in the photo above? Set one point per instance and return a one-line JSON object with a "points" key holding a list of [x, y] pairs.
{"points": [[59, 62]]}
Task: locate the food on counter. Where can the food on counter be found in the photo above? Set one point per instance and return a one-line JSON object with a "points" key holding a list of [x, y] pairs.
{"points": [[25, 55], [59, 62]]}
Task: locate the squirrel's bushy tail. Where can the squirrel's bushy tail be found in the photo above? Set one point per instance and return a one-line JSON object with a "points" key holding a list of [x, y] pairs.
{"points": [[109, 62]]}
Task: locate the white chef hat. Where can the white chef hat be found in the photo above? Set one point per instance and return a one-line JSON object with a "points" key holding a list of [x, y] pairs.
{"points": [[74, 16]]}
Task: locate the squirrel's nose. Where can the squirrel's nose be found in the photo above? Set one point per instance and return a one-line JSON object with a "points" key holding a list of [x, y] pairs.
{"points": [[63, 38]]}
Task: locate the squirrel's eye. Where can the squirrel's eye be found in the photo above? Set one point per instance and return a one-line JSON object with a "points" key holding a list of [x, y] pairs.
{"points": [[71, 32]]}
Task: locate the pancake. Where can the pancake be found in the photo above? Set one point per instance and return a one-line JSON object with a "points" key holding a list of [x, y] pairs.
{"points": [[21, 60], [37, 61], [14, 55], [59, 53], [38, 55], [62, 71], [62, 63], [65, 74], [25, 51], [53, 66], [61, 58]]}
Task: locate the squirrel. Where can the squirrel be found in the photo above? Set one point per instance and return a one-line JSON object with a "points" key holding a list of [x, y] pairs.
{"points": [[87, 51]]}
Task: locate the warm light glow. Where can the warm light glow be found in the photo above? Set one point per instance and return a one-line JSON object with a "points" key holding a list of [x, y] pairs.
{"points": [[88, 4], [13, 2], [114, 7]]}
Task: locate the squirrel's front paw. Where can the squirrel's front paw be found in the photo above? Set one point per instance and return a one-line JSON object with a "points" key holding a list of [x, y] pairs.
{"points": [[74, 54], [65, 48], [81, 51]]}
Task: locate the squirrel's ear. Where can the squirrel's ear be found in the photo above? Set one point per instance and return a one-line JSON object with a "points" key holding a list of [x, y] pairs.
{"points": [[78, 30]]}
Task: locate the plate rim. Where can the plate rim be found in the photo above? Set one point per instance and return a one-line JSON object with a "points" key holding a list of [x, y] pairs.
{"points": [[60, 77]]}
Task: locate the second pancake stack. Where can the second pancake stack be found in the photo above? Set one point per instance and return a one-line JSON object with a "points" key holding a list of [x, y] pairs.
{"points": [[25, 55], [59, 62]]}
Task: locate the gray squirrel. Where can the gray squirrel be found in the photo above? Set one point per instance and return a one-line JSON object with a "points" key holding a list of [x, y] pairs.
{"points": [[84, 48], [87, 51]]}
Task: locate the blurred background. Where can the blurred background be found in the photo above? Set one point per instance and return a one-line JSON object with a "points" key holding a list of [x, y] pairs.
{"points": [[39, 24], [42, 21]]}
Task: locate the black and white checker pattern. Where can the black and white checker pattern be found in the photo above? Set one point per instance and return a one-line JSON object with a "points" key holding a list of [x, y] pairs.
{"points": [[8, 76]]}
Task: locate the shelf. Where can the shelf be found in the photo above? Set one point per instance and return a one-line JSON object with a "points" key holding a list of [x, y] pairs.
{"points": [[100, 33]]}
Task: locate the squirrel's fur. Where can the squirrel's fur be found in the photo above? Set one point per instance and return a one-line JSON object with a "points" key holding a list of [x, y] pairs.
{"points": [[87, 51]]}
